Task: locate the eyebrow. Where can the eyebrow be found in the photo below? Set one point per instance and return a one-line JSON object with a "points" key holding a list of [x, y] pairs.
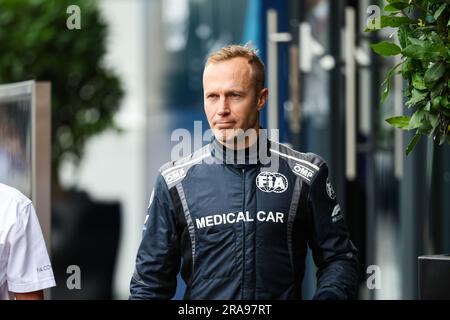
{"points": [[227, 92], [235, 91]]}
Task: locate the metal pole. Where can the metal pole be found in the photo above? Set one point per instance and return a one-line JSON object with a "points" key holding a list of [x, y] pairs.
{"points": [[398, 134], [350, 92], [272, 74]]}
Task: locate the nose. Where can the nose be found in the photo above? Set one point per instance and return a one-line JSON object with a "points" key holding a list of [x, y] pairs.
{"points": [[224, 108]]}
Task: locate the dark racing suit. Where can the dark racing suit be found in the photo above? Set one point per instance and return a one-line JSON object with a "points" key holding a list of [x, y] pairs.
{"points": [[240, 229]]}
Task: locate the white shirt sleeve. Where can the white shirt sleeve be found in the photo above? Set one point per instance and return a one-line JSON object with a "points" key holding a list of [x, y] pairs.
{"points": [[29, 267]]}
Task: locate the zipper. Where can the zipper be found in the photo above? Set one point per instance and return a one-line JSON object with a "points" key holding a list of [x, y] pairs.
{"points": [[243, 235]]}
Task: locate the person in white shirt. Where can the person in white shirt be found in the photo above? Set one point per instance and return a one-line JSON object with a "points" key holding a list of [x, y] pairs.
{"points": [[25, 268]]}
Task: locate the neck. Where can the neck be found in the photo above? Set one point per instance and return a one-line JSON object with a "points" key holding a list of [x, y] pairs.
{"points": [[249, 138], [247, 154]]}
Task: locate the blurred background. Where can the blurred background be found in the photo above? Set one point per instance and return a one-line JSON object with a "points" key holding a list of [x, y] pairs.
{"points": [[130, 73]]}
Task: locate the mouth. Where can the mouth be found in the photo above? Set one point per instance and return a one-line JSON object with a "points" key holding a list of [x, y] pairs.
{"points": [[224, 124]]}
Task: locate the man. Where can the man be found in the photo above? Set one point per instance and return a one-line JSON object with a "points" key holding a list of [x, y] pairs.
{"points": [[242, 224], [25, 268]]}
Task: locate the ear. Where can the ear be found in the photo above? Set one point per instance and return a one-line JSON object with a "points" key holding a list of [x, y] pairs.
{"points": [[262, 98]]}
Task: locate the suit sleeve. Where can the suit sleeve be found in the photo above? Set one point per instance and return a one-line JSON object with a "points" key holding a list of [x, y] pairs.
{"points": [[333, 252], [158, 257]]}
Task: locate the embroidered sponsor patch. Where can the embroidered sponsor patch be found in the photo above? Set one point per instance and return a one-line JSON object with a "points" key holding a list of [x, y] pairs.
{"points": [[303, 171], [175, 175], [271, 182]]}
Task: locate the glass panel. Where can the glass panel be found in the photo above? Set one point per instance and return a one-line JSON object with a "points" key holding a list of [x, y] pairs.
{"points": [[15, 141]]}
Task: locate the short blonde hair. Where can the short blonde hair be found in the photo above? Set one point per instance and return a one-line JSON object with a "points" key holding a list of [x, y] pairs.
{"points": [[245, 51]]}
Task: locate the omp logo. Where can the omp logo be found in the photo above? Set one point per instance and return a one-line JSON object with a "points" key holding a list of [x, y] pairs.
{"points": [[271, 182], [303, 171], [177, 174]]}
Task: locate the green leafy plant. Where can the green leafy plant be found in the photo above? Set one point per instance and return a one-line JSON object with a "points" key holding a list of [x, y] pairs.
{"points": [[35, 43], [423, 30]]}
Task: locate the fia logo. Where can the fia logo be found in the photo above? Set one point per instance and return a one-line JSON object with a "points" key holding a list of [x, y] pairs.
{"points": [[271, 182]]}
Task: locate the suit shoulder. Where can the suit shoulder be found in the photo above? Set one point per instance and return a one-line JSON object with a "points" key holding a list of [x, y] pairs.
{"points": [[174, 171], [304, 165]]}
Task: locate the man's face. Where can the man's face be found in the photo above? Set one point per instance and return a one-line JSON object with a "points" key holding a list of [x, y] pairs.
{"points": [[230, 97]]}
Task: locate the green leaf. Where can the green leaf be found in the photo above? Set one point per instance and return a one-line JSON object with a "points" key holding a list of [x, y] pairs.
{"points": [[386, 91], [436, 103], [427, 107], [395, 6], [435, 38], [407, 67], [442, 138], [422, 30], [387, 81], [426, 128], [439, 11], [421, 52], [403, 35], [438, 90], [416, 119], [434, 73], [401, 122], [414, 51], [416, 93], [417, 96], [386, 48], [418, 82], [394, 22], [445, 102], [390, 8], [419, 42], [413, 143], [434, 120]]}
